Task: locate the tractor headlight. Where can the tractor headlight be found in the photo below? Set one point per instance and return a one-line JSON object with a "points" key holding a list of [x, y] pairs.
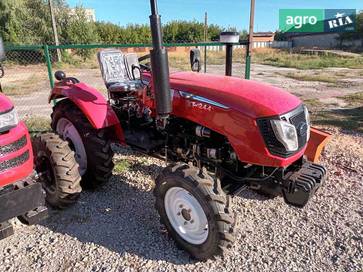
{"points": [[307, 118], [8, 120], [285, 134]]}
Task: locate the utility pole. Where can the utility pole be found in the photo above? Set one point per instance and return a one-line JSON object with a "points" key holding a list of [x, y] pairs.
{"points": [[205, 40], [250, 41], [55, 33]]}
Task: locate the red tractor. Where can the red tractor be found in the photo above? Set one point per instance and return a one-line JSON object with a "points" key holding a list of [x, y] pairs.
{"points": [[21, 192], [221, 135]]}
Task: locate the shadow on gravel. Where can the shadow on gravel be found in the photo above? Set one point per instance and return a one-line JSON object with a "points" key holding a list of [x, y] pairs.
{"points": [[119, 217], [347, 119]]}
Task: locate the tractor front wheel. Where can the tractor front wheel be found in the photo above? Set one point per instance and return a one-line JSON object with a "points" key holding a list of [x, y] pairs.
{"points": [[57, 169], [195, 210], [92, 147]]}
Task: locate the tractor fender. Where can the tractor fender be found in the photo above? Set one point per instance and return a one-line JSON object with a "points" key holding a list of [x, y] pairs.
{"points": [[93, 105]]}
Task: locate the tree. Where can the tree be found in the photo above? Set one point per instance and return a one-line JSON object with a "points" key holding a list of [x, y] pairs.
{"points": [[358, 34], [280, 36], [78, 30], [108, 33], [214, 32], [184, 31], [13, 13], [27, 21]]}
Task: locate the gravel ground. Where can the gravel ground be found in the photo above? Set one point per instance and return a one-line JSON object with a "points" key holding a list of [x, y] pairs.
{"points": [[117, 228]]}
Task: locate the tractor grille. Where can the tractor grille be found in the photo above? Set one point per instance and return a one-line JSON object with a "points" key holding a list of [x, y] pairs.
{"points": [[14, 162], [15, 146], [296, 118]]}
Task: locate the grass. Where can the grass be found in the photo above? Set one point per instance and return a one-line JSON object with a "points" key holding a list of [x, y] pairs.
{"points": [[122, 166], [179, 61], [37, 124], [281, 58], [312, 77], [312, 103], [348, 118], [274, 57], [25, 86], [77, 63], [355, 99]]}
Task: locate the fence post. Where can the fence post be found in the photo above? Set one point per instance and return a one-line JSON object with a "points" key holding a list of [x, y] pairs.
{"points": [[205, 40], [248, 66], [205, 59], [49, 65]]}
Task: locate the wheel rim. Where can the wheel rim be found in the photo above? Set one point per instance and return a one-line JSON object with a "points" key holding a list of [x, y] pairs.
{"points": [[186, 215], [67, 130]]}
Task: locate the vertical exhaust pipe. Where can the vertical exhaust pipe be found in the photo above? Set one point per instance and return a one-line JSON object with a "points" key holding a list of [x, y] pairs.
{"points": [[160, 65]]}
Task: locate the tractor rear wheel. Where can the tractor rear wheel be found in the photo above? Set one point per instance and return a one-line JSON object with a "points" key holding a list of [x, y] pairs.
{"points": [[195, 210], [92, 147], [58, 170]]}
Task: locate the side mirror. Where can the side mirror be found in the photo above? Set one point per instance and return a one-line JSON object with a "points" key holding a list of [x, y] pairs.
{"points": [[195, 60], [2, 50]]}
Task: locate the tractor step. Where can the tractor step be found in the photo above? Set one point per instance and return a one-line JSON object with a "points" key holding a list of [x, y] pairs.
{"points": [[6, 230]]}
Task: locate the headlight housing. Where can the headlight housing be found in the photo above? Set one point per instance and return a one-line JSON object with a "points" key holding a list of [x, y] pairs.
{"points": [[8, 120], [285, 134]]}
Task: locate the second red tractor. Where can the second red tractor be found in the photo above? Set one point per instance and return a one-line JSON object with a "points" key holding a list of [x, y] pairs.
{"points": [[27, 167]]}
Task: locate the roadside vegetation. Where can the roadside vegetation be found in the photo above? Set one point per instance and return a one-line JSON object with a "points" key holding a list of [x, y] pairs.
{"points": [[311, 77], [25, 84], [282, 58], [278, 58], [37, 124], [348, 117], [121, 166]]}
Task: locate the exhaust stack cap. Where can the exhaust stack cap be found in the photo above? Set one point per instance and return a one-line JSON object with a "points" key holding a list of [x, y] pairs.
{"points": [[229, 37]]}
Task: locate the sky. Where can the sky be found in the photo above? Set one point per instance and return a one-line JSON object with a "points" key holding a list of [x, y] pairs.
{"points": [[227, 13]]}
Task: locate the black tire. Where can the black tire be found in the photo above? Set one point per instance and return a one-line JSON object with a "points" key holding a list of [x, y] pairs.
{"points": [[96, 143], [58, 170], [213, 200]]}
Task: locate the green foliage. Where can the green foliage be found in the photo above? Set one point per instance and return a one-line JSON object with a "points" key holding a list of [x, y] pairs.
{"points": [[80, 31], [28, 21], [108, 33], [183, 31], [302, 61], [25, 22], [280, 36], [358, 34], [12, 26]]}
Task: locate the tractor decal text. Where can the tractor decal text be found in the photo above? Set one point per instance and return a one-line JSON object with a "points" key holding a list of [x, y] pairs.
{"points": [[204, 103], [201, 106]]}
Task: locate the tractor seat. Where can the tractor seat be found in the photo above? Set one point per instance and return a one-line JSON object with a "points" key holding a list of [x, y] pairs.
{"points": [[120, 87], [116, 69]]}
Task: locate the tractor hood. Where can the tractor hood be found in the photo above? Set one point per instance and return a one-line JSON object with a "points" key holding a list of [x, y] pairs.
{"points": [[246, 96], [5, 103]]}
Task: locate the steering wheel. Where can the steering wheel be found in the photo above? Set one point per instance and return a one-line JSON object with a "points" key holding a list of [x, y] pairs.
{"points": [[134, 67], [146, 66], [2, 73], [71, 79]]}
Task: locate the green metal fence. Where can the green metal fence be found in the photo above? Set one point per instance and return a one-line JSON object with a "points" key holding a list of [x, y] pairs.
{"points": [[29, 69]]}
